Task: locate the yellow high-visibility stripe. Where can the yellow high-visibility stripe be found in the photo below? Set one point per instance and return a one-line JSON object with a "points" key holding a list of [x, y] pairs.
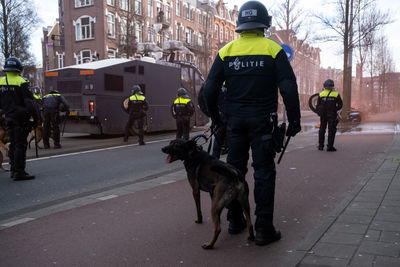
{"points": [[246, 46], [181, 100], [325, 93]]}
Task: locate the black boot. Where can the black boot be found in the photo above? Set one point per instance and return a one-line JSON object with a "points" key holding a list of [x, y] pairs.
{"points": [[267, 237], [20, 176], [331, 149], [237, 222]]}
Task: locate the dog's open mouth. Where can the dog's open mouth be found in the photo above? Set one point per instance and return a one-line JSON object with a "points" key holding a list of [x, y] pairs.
{"points": [[170, 158]]}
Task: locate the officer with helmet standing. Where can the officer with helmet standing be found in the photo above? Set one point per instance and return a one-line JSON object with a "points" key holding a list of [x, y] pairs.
{"points": [[182, 109], [137, 107], [329, 103], [53, 103], [16, 104], [253, 67]]}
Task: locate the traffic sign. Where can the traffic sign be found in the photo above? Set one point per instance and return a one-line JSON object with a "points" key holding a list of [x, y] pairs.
{"points": [[288, 50]]}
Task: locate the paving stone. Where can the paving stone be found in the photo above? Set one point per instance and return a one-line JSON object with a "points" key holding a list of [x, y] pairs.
{"points": [[365, 205], [353, 228], [359, 211], [387, 262], [361, 260], [369, 198], [385, 226], [316, 261], [390, 237], [334, 250], [342, 238], [372, 235], [355, 219], [391, 203], [379, 248], [389, 209], [387, 217]]}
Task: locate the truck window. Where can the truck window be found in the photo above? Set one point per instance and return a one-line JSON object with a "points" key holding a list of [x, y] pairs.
{"points": [[69, 86], [113, 82], [131, 69], [141, 70]]}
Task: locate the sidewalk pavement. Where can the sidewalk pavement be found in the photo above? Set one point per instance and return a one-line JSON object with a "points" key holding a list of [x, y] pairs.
{"points": [[364, 230]]}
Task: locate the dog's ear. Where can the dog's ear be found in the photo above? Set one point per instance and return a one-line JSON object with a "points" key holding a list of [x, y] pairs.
{"points": [[190, 145]]}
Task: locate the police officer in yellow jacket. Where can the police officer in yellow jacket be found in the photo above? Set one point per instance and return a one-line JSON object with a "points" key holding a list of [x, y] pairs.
{"points": [[254, 67], [53, 103], [329, 102], [182, 109], [16, 104], [137, 107]]}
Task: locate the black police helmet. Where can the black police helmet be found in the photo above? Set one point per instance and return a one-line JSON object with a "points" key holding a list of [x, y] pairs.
{"points": [[253, 15], [136, 90], [36, 90], [329, 84], [182, 92], [13, 64]]}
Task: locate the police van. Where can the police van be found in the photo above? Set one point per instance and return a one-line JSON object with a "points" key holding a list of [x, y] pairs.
{"points": [[96, 91]]}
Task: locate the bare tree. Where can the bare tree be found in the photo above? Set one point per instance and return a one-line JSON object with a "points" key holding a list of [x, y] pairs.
{"points": [[18, 18], [289, 16], [128, 40], [342, 27]]}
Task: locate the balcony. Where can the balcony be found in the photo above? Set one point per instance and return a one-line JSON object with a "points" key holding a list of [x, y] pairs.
{"points": [[195, 48], [165, 22]]}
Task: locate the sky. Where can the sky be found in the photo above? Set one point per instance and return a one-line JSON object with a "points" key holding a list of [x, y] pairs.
{"points": [[330, 54]]}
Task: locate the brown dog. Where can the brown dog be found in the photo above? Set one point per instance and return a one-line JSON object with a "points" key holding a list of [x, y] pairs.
{"points": [[4, 139], [206, 173], [39, 135]]}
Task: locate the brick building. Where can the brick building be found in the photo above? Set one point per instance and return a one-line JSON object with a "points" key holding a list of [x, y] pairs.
{"points": [[89, 30]]}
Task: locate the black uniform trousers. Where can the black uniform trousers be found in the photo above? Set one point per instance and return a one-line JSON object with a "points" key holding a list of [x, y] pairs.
{"points": [[18, 144], [138, 123], [220, 140], [245, 133], [182, 127], [331, 121], [51, 121]]}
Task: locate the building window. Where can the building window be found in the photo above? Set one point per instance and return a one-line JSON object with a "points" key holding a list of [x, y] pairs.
{"points": [[178, 8], [111, 25], [111, 53], [200, 40], [216, 31], [231, 35], [226, 35], [84, 28], [222, 34], [150, 34], [178, 32], [168, 13], [84, 56], [60, 59], [138, 7], [82, 3], [124, 30], [150, 9], [111, 2], [124, 4], [139, 33]]}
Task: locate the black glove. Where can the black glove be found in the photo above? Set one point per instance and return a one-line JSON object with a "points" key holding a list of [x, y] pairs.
{"points": [[293, 128]]}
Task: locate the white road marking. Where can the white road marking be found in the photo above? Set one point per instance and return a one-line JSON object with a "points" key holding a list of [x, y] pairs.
{"points": [[94, 150], [23, 220], [107, 197]]}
